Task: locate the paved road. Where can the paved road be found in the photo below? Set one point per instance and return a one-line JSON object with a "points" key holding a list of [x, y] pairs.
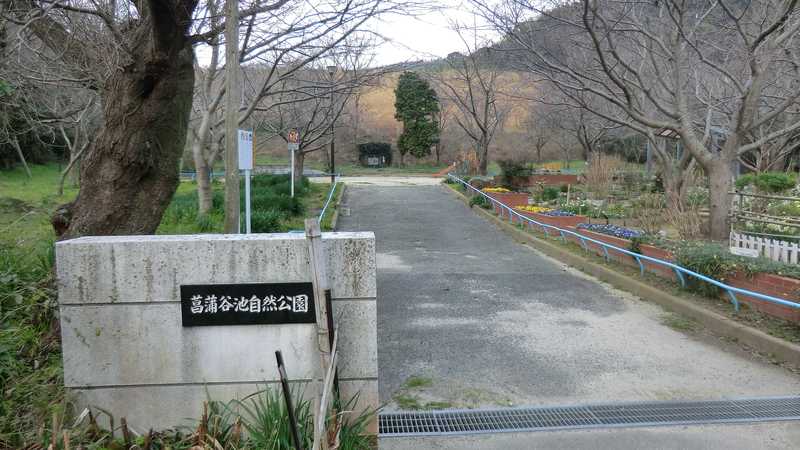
{"points": [[469, 318]]}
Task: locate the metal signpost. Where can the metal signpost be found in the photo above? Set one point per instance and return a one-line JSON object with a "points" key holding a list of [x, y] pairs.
{"points": [[246, 163], [293, 143]]}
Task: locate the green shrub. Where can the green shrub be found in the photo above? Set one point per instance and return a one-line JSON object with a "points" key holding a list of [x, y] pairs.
{"points": [[714, 260], [745, 180], [784, 208], [218, 200], [549, 193], [205, 223], [771, 182], [709, 259], [775, 182], [266, 220], [479, 200], [636, 244], [266, 200], [182, 208], [375, 150], [511, 171]]}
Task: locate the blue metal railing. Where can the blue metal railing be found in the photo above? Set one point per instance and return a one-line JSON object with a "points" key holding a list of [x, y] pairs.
{"points": [[680, 271], [328, 201]]}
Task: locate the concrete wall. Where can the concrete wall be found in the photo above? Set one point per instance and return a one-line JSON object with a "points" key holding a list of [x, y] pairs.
{"points": [[126, 351]]}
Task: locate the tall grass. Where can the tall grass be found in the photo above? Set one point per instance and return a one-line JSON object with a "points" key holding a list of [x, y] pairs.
{"points": [[30, 351], [257, 422], [271, 204]]}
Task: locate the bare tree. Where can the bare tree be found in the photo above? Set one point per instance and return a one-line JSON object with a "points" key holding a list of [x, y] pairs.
{"points": [[37, 115], [442, 120], [314, 100], [82, 128], [471, 85], [274, 52], [139, 58], [687, 67]]}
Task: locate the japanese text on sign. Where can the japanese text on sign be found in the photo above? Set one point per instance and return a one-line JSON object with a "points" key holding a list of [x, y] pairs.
{"points": [[246, 304]]}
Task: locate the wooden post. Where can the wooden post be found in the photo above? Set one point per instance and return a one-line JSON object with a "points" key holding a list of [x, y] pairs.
{"points": [[232, 100], [319, 277]]}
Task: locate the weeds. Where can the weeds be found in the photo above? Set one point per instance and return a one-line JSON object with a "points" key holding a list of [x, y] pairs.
{"points": [[414, 382], [258, 422], [680, 323], [270, 199], [479, 200], [30, 348]]}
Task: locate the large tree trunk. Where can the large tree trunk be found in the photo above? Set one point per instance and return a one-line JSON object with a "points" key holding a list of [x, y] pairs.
{"points": [[202, 163], [130, 172], [205, 194], [299, 161], [720, 175], [483, 156]]}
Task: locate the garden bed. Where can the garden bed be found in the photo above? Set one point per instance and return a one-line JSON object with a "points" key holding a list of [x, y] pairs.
{"points": [[558, 221], [511, 199], [765, 283], [547, 179]]}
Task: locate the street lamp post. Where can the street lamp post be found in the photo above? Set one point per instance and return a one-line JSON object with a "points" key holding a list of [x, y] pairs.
{"points": [[331, 73]]}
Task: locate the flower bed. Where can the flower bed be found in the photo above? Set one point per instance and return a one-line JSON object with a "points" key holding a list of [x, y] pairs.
{"points": [[556, 218], [766, 283], [559, 213], [611, 230], [547, 179], [533, 209], [512, 199]]}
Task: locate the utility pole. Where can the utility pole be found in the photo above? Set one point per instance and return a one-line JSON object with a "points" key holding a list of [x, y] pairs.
{"points": [[232, 94], [331, 73]]}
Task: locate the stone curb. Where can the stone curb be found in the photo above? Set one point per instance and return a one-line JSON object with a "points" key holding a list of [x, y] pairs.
{"points": [[717, 323]]}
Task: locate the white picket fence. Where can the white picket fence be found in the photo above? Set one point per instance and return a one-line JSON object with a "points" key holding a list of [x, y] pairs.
{"points": [[768, 248]]}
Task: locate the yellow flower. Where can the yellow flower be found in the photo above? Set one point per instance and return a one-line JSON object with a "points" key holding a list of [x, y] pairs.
{"points": [[532, 208], [495, 190]]}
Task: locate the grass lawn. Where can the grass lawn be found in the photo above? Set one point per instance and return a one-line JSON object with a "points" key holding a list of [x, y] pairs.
{"points": [[577, 165], [409, 169], [26, 205], [272, 208]]}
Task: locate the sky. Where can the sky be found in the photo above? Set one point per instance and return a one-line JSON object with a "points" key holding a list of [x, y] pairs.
{"points": [[421, 37], [427, 36]]}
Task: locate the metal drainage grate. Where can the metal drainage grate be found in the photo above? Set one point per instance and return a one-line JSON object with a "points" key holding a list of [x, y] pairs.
{"points": [[587, 416]]}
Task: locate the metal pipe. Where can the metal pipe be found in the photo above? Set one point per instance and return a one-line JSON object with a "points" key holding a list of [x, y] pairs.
{"points": [[327, 202], [679, 270]]}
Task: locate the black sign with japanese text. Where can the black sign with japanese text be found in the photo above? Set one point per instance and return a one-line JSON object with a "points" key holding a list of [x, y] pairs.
{"points": [[247, 304]]}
